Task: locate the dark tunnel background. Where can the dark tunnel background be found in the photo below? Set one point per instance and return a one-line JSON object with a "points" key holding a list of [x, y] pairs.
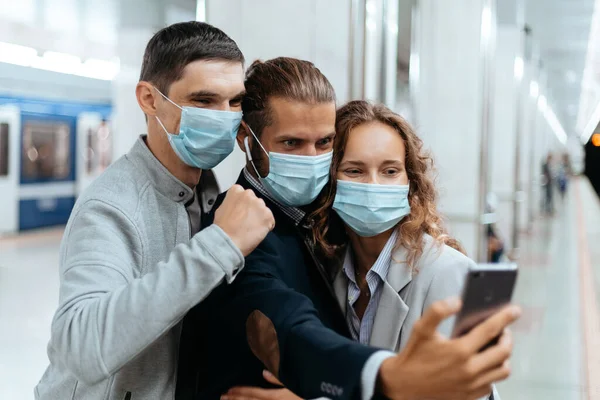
{"points": [[592, 165]]}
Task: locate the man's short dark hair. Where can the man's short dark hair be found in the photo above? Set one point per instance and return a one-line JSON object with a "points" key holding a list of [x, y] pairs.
{"points": [[172, 48]]}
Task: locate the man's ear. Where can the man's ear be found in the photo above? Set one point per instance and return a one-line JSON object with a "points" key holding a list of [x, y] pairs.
{"points": [[146, 96], [242, 133]]}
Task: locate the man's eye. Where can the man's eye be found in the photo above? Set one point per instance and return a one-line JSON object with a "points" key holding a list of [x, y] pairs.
{"points": [[324, 142]]}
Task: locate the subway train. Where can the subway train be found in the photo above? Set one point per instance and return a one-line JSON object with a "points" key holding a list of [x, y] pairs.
{"points": [[50, 150], [592, 161]]}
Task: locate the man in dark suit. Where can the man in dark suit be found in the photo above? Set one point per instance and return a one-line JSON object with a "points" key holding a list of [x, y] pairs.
{"points": [[280, 313]]}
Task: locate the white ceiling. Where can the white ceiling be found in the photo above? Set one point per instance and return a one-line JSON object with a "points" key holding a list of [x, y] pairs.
{"points": [[78, 25], [89, 28], [86, 28], [560, 33]]}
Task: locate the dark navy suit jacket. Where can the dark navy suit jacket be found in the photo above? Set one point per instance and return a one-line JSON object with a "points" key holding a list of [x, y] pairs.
{"points": [[279, 313]]}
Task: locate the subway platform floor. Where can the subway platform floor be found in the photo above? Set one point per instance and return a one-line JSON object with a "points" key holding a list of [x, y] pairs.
{"points": [[557, 347], [557, 340]]}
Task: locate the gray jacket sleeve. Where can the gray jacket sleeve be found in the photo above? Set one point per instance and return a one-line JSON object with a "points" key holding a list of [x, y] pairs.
{"points": [[108, 312], [448, 281]]}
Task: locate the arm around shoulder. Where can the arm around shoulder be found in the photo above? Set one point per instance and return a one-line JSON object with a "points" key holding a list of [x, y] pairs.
{"points": [[261, 308], [109, 310]]}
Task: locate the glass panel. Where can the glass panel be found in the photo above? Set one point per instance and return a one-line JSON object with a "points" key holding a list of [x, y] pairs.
{"points": [[98, 151], [4, 147], [46, 150]]}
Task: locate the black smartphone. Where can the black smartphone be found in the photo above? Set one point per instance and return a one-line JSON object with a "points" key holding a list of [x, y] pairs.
{"points": [[488, 288]]}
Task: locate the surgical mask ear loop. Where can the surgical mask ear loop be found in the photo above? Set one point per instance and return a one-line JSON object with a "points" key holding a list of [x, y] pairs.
{"points": [[161, 124], [248, 149], [258, 141], [250, 156], [170, 101]]}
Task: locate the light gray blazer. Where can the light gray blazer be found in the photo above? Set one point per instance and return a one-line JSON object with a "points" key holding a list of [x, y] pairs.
{"points": [[438, 274]]}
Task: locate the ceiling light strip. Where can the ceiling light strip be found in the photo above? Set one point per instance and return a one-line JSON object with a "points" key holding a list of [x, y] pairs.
{"points": [[58, 62]]}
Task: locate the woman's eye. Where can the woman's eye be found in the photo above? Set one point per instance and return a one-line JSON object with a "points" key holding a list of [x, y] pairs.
{"points": [[391, 171], [289, 143], [352, 171]]}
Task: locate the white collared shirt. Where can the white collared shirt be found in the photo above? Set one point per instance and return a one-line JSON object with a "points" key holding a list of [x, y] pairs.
{"points": [[361, 329]]}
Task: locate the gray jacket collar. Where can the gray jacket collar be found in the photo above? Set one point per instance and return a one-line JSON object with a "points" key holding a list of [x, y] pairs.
{"points": [[392, 308], [168, 185]]}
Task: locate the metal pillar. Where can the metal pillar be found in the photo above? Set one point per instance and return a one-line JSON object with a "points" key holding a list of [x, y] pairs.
{"points": [[487, 46]]}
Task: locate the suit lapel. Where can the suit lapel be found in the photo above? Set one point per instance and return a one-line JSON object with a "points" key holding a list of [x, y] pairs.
{"points": [[392, 310], [340, 286]]}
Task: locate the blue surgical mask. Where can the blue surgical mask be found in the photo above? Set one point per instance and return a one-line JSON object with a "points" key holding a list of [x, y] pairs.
{"points": [[206, 137], [370, 209], [293, 180]]}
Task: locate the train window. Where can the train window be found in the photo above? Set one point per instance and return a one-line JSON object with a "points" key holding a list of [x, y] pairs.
{"points": [[46, 150], [4, 148]]}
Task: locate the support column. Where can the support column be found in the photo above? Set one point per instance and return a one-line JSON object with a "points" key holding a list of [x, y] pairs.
{"points": [[312, 30], [503, 141], [532, 160], [528, 115], [454, 43]]}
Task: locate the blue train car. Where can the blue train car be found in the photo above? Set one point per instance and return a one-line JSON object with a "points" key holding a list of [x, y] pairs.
{"points": [[40, 151]]}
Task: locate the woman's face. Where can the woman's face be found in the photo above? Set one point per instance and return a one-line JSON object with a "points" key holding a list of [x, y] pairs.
{"points": [[374, 154]]}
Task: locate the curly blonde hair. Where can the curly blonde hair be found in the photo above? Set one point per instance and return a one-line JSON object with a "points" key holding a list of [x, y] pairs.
{"points": [[423, 218]]}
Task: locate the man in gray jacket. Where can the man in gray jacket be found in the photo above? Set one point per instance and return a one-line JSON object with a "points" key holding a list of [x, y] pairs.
{"points": [[134, 258]]}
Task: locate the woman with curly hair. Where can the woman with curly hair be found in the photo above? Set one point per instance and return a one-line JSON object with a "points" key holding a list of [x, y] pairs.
{"points": [[396, 257]]}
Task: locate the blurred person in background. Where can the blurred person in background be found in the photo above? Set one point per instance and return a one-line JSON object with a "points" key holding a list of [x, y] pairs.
{"points": [[134, 257], [495, 242], [282, 312], [548, 186], [564, 175]]}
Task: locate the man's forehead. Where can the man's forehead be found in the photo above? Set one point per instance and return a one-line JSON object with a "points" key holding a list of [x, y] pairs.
{"points": [[299, 120], [225, 78], [289, 109]]}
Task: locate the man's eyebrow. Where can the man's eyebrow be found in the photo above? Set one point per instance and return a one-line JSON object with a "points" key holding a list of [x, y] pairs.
{"points": [[240, 94], [203, 93]]}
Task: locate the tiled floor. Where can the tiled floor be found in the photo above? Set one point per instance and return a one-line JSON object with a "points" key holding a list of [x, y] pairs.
{"points": [[548, 362], [549, 358], [28, 299]]}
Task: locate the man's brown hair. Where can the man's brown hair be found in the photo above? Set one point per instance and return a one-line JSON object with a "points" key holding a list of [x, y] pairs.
{"points": [[286, 78]]}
